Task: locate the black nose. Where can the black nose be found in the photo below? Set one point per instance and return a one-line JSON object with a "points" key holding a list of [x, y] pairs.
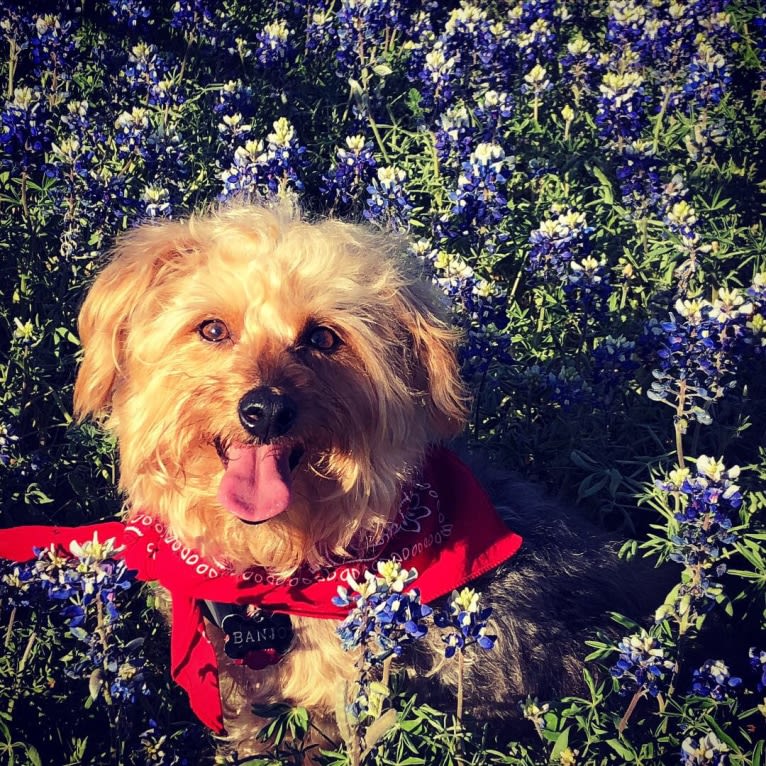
{"points": [[266, 413]]}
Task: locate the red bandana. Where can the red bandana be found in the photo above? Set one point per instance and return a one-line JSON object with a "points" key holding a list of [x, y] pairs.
{"points": [[447, 529]]}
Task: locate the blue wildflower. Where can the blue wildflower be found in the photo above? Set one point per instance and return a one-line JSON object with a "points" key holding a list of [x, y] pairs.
{"points": [[464, 623], [353, 172], [714, 680], [705, 750], [758, 664], [25, 134], [642, 665], [274, 44], [559, 241], [383, 617], [620, 112], [388, 201]]}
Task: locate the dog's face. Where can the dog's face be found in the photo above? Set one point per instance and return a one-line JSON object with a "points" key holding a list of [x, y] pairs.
{"points": [[271, 383]]}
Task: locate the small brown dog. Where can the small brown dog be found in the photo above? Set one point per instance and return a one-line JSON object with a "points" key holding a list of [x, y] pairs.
{"points": [[275, 388]]}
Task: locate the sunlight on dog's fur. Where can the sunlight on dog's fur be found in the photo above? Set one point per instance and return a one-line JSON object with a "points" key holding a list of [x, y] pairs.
{"points": [[365, 409], [197, 328]]}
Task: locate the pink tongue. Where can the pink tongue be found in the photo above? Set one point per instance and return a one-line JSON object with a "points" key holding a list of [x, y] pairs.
{"points": [[256, 484]]}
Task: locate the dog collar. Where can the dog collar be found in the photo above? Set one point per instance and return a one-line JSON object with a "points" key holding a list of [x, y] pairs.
{"points": [[447, 529]]}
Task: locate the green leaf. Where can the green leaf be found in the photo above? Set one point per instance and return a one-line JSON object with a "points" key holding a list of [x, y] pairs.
{"points": [[721, 734], [561, 744], [622, 750]]}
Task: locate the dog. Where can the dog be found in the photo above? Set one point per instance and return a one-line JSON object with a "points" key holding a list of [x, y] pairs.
{"points": [[276, 387]]}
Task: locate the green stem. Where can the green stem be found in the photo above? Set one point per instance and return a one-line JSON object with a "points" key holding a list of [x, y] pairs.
{"points": [[658, 124], [460, 672], [13, 58], [378, 139], [678, 425], [9, 630], [623, 724], [24, 201]]}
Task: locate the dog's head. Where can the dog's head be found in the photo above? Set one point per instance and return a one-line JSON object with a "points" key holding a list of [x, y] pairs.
{"points": [[271, 383]]}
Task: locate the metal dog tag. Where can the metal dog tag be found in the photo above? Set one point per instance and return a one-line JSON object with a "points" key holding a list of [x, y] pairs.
{"points": [[257, 639]]}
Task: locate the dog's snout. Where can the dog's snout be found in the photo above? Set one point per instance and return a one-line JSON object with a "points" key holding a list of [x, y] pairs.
{"points": [[266, 413]]}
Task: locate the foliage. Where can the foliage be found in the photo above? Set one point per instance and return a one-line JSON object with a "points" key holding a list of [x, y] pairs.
{"points": [[584, 180]]}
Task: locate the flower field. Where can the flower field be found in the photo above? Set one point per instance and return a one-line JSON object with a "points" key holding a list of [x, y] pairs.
{"points": [[585, 181]]}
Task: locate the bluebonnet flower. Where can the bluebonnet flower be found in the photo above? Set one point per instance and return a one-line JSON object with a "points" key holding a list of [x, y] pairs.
{"points": [[705, 750], [708, 78], [699, 348], [538, 42], [282, 161], [156, 747], [135, 14], [643, 664], [580, 68], [148, 76], [157, 202], [479, 202], [87, 580], [18, 587], [638, 174], [681, 219], [759, 24], [714, 680], [614, 362], [464, 623], [52, 47], [638, 28], [127, 673], [234, 97], [24, 131], [244, 174], [565, 387], [438, 77], [706, 511], [756, 324], [267, 168], [468, 38], [758, 664], [481, 307], [536, 83], [453, 137], [360, 29], [620, 112], [559, 241], [535, 711], [492, 109], [706, 134], [195, 20], [132, 129], [8, 439], [383, 617], [587, 288], [352, 174], [274, 44], [321, 33], [25, 333], [387, 201]]}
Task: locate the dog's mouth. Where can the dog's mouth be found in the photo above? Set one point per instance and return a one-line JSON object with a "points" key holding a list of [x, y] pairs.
{"points": [[257, 480]]}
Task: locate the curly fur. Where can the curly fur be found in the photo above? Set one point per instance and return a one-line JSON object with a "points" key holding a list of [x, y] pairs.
{"points": [[365, 416]]}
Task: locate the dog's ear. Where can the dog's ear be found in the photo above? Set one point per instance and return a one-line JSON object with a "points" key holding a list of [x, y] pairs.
{"points": [[138, 258], [432, 343]]}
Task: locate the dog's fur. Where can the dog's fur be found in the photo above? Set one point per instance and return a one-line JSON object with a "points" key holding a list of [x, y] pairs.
{"points": [[365, 413]]}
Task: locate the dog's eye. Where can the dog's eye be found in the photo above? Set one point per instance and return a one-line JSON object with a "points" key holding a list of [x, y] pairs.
{"points": [[214, 330], [323, 339]]}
